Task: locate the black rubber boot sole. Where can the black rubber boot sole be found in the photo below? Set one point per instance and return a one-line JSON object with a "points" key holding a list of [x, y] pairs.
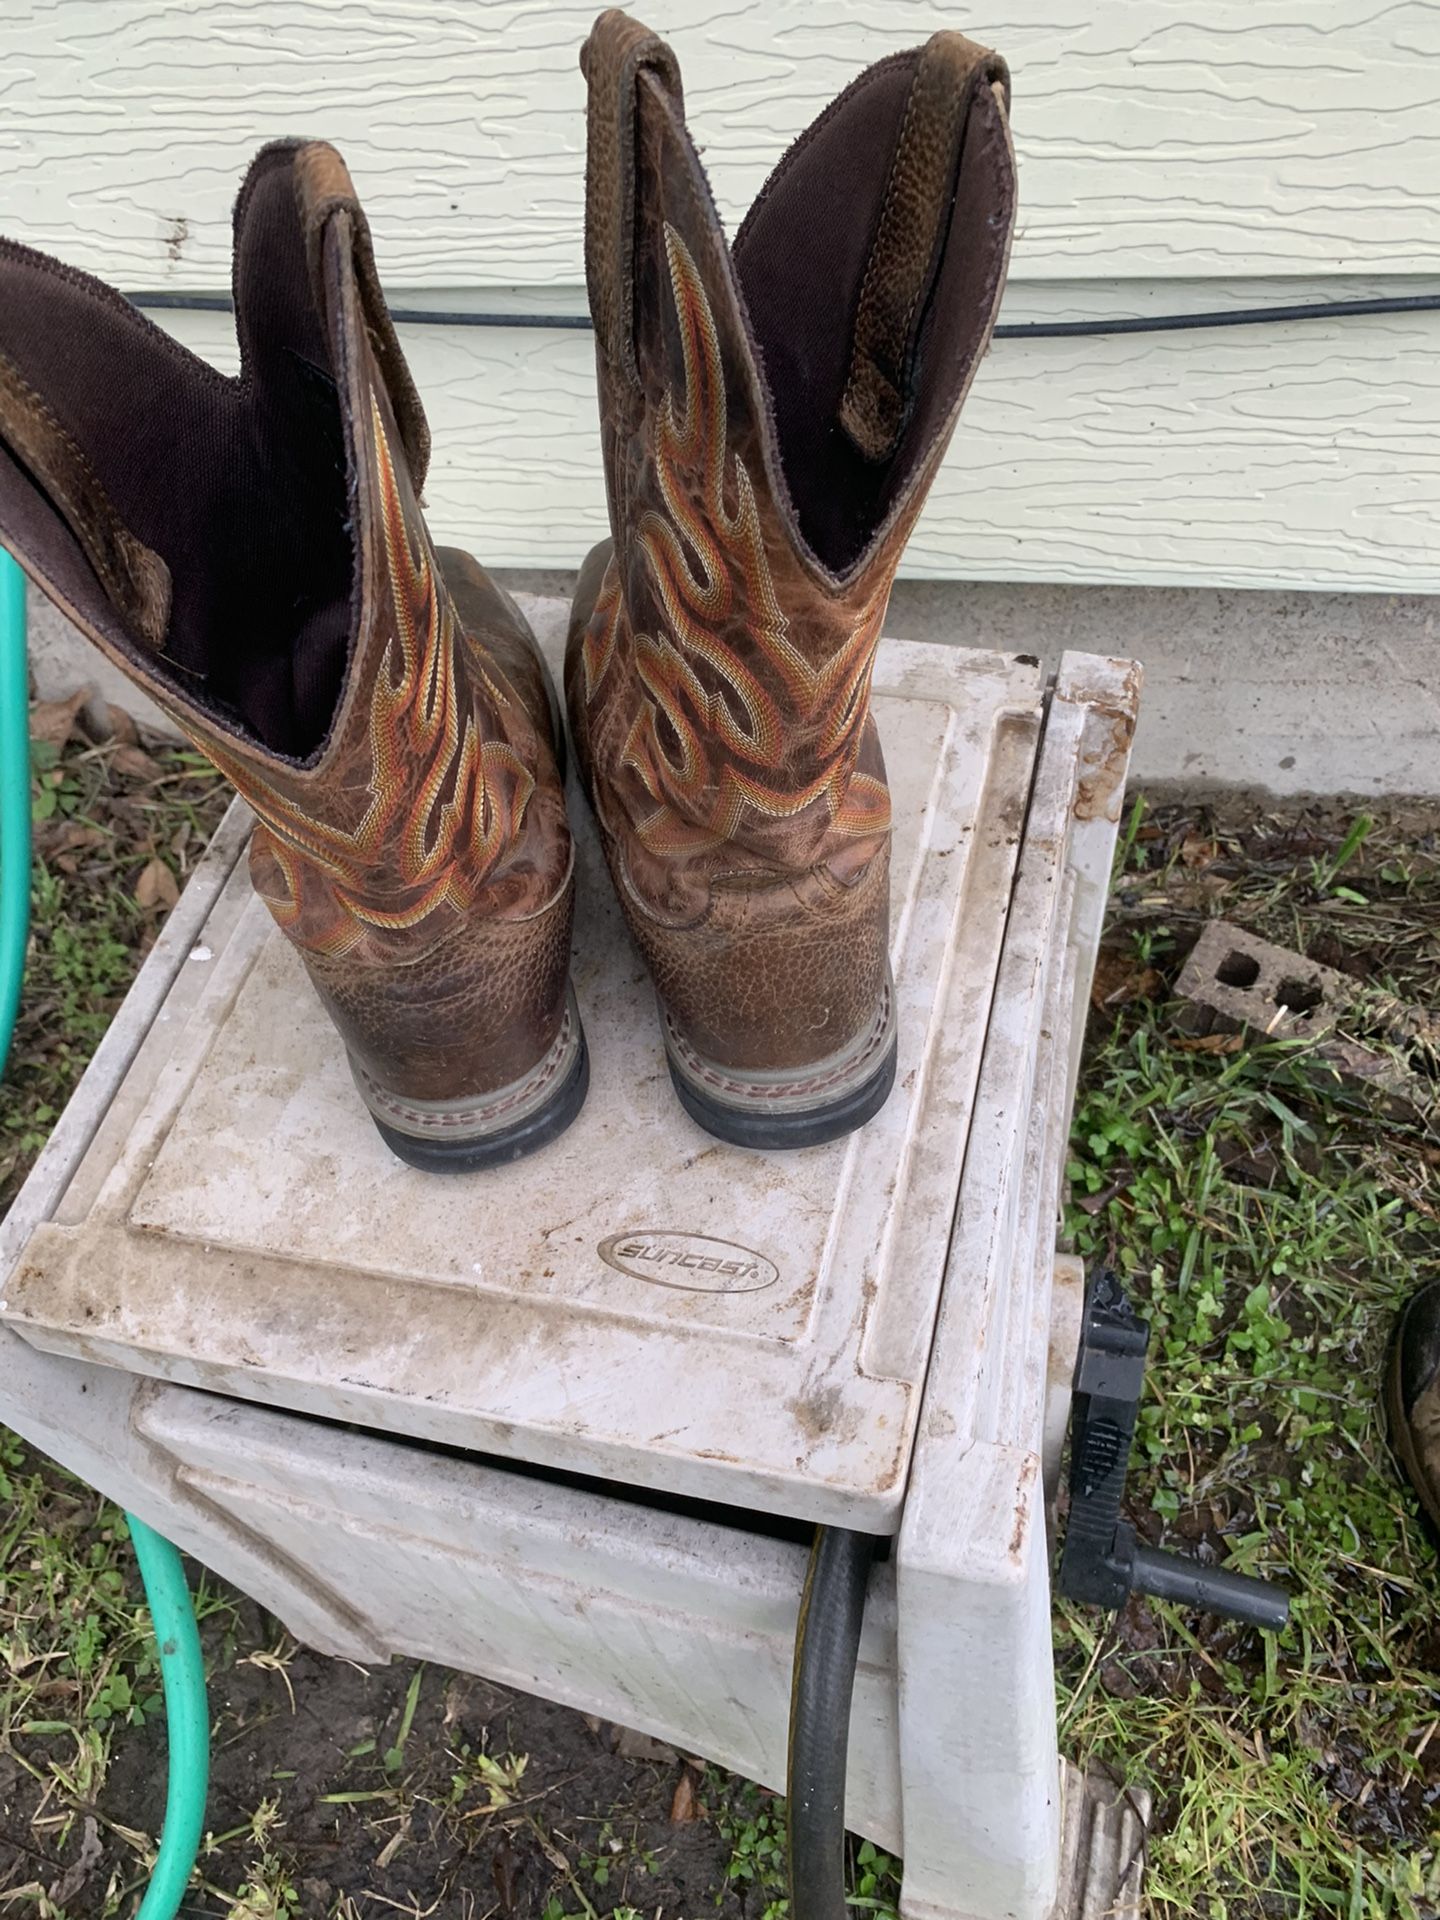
{"points": [[509, 1143], [782, 1132], [1402, 1445]]}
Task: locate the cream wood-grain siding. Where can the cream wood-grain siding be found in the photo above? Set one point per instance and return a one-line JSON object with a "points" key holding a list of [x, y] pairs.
{"points": [[1156, 137], [1174, 156], [1304, 455]]}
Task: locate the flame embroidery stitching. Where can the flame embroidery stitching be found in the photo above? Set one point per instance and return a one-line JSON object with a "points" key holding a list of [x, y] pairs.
{"points": [[766, 712], [443, 803]]}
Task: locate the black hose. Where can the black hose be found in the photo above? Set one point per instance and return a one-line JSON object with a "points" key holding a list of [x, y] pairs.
{"points": [[827, 1648]]}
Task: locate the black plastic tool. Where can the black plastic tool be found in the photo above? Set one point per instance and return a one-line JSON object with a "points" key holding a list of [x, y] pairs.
{"points": [[1103, 1562]]}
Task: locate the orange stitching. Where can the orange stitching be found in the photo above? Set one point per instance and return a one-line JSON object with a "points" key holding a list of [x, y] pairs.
{"points": [[702, 796], [446, 849]]}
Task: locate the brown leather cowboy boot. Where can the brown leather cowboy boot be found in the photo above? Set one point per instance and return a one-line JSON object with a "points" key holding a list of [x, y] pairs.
{"points": [[772, 419], [251, 553], [1412, 1396]]}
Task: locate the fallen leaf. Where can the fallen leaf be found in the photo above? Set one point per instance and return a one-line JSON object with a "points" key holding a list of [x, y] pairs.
{"points": [[1198, 850], [115, 723], [65, 836], [502, 1872], [75, 835], [1093, 1203], [53, 721], [1118, 981], [70, 1883], [156, 886], [639, 1746], [1111, 967], [135, 763], [684, 1807]]}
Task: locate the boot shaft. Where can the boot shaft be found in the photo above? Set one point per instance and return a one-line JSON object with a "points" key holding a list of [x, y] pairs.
{"points": [[772, 420], [236, 494], [252, 553]]}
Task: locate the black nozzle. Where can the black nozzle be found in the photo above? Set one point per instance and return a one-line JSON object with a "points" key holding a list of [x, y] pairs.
{"points": [[1171, 1576], [1103, 1563]]}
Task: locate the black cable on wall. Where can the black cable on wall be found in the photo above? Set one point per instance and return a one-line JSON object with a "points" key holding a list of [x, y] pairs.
{"points": [[1026, 330]]}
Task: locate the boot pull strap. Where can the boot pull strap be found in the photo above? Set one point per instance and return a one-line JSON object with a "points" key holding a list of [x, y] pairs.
{"points": [[136, 580], [910, 238], [618, 51], [326, 192]]}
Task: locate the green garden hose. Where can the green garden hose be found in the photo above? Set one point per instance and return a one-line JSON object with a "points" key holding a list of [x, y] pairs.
{"points": [[171, 1612], [14, 798], [187, 1720]]}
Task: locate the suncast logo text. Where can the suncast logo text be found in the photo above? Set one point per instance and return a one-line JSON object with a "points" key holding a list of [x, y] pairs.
{"points": [[695, 1262]]}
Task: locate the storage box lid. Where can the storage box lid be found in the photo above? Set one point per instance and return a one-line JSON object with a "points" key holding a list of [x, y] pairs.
{"points": [[637, 1301]]}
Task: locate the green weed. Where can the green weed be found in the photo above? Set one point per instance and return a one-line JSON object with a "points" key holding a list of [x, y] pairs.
{"points": [[1270, 1224]]}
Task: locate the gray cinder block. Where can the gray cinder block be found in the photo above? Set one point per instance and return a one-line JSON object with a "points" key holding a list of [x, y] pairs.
{"points": [[1235, 981]]}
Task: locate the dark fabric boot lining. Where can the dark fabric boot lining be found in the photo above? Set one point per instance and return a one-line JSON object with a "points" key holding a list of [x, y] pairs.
{"points": [[800, 259], [239, 485]]}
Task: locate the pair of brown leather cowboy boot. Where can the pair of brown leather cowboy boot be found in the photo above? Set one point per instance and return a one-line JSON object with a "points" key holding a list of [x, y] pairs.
{"points": [[252, 553]]}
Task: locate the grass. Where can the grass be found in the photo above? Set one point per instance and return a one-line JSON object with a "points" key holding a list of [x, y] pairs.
{"points": [[1271, 1224], [1268, 1222], [77, 1668], [117, 830]]}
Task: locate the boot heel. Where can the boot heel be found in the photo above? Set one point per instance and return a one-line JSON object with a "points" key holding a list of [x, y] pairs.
{"points": [[465, 1136], [787, 1108]]}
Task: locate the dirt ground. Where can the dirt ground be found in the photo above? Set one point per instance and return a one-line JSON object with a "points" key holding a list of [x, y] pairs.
{"points": [[475, 1841], [338, 1791]]}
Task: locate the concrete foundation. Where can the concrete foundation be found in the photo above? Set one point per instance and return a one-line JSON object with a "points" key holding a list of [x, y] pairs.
{"points": [[1281, 693]]}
